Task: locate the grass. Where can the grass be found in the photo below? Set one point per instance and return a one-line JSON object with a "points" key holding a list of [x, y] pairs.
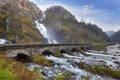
{"points": [[101, 46], [86, 77], [65, 28], [104, 71], [13, 70], [41, 60], [64, 76], [58, 54]]}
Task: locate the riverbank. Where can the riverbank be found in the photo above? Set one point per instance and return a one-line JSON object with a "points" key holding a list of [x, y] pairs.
{"points": [[13, 70]]}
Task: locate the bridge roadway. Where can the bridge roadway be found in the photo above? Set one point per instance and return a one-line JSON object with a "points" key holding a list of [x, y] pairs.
{"points": [[4, 47], [25, 52]]}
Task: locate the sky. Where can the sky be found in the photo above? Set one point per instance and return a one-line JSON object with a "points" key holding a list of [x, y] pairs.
{"points": [[104, 13]]}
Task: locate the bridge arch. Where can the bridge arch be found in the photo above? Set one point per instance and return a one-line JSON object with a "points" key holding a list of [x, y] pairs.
{"points": [[47, 52], [63, 51], [75, 50], [87, 48], [20, 55], [82, 48], [23, 57]]}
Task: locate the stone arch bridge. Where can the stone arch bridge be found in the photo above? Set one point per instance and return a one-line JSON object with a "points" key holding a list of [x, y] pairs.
{"points": [[28, 50]]}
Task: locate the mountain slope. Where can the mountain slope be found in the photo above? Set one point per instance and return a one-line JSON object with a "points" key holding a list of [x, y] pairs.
{"points": [[17, 24], [109, 33], [116, 37], [17, 21], [65, 28]]}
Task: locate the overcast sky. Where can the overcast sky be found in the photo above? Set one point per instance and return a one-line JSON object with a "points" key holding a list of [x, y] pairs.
{"points": [[104, 13]]}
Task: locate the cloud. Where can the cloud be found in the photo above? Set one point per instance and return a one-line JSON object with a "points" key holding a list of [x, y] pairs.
{"points": [[105, 19], [37, 0]]}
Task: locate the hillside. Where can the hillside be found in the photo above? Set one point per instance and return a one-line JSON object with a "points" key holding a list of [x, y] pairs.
{"points": [[17, 21], [66, 29], [109, 33], [116, 37]]}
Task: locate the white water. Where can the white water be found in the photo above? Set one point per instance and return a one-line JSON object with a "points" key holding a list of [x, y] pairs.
{"points": [[43, 16], [68, 63], [3, 41], [63, 65], [44, 31]]}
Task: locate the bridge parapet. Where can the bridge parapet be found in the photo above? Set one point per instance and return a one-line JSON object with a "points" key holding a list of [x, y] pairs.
{"points": [[30, 50]]}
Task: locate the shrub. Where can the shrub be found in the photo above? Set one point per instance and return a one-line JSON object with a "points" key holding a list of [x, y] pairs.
{"points": [[86, 77], [39, 59], [64, 76], [59, 77], [101, 70], [6, 72], [65, 28], [58, 54]]}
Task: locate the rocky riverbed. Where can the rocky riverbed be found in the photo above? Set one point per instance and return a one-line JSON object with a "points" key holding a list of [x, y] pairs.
{"points": [[69, 63]]}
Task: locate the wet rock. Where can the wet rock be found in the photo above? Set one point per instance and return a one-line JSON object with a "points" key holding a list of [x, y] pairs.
{"points": [[72, 62], [113, 58], [105, 53], [117, 62], [96, 62], [43, 73], [95, 58]]}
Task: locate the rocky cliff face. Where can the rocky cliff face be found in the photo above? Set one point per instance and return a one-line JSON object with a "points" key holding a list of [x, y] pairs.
{"points": [[116, 37], [17, 21], [66, 29], [59, 13], [4, 2]]}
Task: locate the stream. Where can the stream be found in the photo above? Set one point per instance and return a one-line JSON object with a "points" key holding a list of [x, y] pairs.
{"points": [[67, 63]]}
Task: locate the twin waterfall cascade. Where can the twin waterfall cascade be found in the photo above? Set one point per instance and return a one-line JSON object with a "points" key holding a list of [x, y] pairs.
{"points": [[44, 31]]}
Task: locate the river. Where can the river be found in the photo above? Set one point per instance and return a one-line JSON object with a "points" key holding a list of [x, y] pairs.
{"points": [[109, 58]]}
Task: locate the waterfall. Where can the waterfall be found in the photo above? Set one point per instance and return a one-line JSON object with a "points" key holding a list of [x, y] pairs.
{"points": [[43, 16], [44, 31]]}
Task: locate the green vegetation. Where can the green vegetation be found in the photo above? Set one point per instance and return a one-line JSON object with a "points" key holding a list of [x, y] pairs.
{"points": [[39, 59], [59, 77], [100, 46], [58, 54], [101, 70], [65, 28], [6, 72], [72, 31], [86, 77], [17, 24], [64, 76], [13, 70]]}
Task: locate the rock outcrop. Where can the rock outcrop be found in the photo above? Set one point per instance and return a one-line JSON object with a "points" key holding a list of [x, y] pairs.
{"points": [[17, 21]]}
